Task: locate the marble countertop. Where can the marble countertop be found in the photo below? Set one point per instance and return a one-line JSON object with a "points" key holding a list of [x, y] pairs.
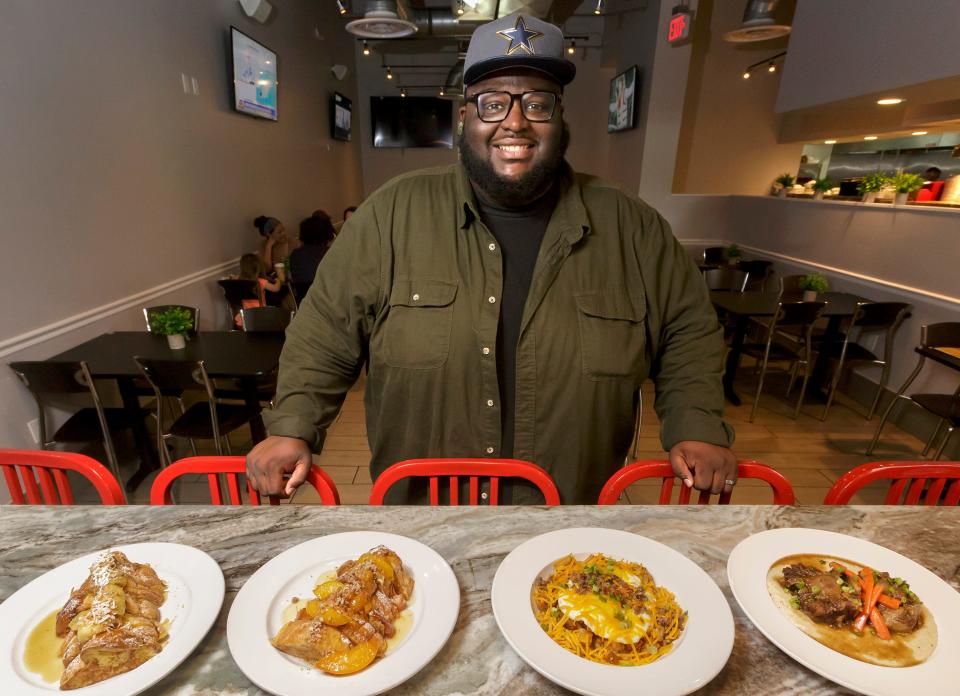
{"points": [[476, 659]]}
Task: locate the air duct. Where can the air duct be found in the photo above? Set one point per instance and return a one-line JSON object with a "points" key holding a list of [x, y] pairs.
{"points": [[380, 21], [758, 24], [453, 85]]}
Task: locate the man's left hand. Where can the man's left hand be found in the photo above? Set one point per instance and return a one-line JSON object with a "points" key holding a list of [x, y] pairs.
{"points": [[704, 466]]}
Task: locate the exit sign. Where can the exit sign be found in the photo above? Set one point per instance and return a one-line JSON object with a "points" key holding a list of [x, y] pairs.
{"points": [[680, 23]]}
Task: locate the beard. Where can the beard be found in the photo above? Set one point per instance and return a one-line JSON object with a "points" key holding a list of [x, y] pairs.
{"points": [[514, 193]]}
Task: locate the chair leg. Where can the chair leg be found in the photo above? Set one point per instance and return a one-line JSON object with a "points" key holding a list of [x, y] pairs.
{"points": [[808, 368], [226, 442], [756, 398], [834, 383], [880, 387], [893, 402], [943, 443], [933, 438], [793, 377]]}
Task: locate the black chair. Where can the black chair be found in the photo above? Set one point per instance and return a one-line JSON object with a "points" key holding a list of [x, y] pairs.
{"points": [[89, 424], [868, 317], [300, 288], [235, 291], [254, 319], [731, 279], [799, 316], [148, 313], [715, 255], [790, 284], [758, 271], [945, 406], [204, 420]]}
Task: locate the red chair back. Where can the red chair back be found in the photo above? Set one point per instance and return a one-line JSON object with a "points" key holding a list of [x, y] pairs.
{"points": [[51, 486], [746, 469], [907, 481], [494, 469], [231, 468]]}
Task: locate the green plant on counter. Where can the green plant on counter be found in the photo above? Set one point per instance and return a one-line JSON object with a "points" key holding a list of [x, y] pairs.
{"points": [[733, 252], [822, 185], [815, 282], [873, 183], [173, 321], [785, 180], [903, 182]]}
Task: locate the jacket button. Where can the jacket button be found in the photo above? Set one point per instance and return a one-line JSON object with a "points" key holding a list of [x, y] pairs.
{"points": [[416, 297], [489, 450], [492, 247], [485, 351], [491, 299], [489, 402]]}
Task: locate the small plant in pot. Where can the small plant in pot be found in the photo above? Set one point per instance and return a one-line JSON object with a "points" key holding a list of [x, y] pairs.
{"points": [[785, 182], [733, 254], [174, 323], [904, 184], [811, 284], [872, 184], [820, 187]]}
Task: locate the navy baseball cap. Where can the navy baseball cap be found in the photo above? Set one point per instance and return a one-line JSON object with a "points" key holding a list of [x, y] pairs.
{"points": [[517, 41]]}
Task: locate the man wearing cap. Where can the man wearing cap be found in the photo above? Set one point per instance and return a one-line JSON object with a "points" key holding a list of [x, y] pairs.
{"points": [[505, 307]]}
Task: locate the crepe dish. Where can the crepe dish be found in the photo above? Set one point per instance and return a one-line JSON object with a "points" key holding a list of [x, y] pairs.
{"points": [[858, 611], [111, 623], [608, 611], [348, 623]]}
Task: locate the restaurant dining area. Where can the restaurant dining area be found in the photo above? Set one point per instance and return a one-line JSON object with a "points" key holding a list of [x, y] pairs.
{"points": [[460, 347]]}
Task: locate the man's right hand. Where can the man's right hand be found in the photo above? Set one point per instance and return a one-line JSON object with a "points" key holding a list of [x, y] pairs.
{"points": [[271, 459]]}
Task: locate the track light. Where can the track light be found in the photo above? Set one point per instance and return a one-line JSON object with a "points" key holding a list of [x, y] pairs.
{"points": [[460, 7], [341, 7], [572, 48], [389, 74], [403, 91], [366, 49], [599, 8], [746, 75], [441, 91], [772, 67]]}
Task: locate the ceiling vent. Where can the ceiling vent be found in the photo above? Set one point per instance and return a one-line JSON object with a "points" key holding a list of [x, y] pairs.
{"points": [[380, 21], [758, 24]]}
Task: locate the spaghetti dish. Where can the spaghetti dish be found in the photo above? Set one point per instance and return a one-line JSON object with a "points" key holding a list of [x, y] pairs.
{"points": [[608, 611]]}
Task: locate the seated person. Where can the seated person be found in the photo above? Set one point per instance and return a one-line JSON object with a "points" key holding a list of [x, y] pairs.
{"points": [[346, 216], [316, 235], [250, 270]]}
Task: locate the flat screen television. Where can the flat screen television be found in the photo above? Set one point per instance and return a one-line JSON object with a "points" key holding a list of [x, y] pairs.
{"points": [[412, 122], [254, 77], [341, 110]]}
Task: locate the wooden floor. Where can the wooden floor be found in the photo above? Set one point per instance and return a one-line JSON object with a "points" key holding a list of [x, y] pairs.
{"points": [[810, 453]]}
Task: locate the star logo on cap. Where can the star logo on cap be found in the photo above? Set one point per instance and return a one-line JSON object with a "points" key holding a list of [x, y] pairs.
{"points": [[520, 38]]}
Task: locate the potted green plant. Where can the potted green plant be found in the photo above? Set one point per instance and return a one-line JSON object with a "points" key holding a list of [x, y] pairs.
{"points": [[820, 187], [785, 182], [174, 323], [904, 184], [733, 254], [811, 284], [870, 185]]}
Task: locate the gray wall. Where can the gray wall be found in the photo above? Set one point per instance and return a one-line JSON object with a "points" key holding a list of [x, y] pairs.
{"points": [[845, 49], [117, 190]]}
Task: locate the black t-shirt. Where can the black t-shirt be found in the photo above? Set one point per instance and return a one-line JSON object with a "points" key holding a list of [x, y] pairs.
{"points": [[519, 232]]}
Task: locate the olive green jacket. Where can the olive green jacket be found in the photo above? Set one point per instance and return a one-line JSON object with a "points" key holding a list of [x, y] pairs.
{"points": [[411, 287]]}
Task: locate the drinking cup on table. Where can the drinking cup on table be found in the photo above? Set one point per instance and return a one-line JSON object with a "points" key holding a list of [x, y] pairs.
{"points": [[280, 270]]}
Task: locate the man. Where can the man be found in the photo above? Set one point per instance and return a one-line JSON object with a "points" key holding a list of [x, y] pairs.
{"points": [[505, 306]]}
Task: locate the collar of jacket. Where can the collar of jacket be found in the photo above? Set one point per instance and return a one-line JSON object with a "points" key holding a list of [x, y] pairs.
{"points": [[570, 206]]}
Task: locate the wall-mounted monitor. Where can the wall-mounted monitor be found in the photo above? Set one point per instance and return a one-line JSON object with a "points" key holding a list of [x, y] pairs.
{"points": [[412, 122], [254, 76], [341, 115]]}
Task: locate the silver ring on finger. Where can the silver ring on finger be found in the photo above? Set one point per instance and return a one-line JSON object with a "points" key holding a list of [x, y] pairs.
{"points": [[730, 482]]}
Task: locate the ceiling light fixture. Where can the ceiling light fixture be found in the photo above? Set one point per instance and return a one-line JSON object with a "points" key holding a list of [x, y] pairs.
{"points": [[746, 75], [599, 8], [829, 142], [889, 101], [572, 48], [869, 137], [389, 74], [441, 91], [771, 68], [403, 91], [770, 63], [919, 133], [341, 7], [366, 49], [460, 7]]}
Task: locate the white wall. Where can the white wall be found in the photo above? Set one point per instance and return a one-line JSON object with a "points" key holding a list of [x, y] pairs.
{"points": [[845, 49], [117, 190]]}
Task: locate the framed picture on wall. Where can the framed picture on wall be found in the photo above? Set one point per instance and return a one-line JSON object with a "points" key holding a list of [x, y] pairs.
{"points": [[342, 114], [622, 110]]}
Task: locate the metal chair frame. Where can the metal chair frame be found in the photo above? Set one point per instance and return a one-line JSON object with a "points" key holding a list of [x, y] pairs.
{"points": [[715, 254], [731, 279], [266, 319], [51, 485], [864, 321]]}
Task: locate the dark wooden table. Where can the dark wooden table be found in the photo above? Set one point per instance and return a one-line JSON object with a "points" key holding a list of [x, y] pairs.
{"points": [[225, 354], [744, 305]]}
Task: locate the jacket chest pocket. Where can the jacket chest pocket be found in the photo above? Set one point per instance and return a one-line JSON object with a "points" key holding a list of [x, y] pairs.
{"points": [[612, 333], [417, 328]]}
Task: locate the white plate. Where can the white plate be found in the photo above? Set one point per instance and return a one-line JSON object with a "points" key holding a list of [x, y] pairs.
{"points": [[747, 570], [194, 597], [697, 657], [257, 615]]}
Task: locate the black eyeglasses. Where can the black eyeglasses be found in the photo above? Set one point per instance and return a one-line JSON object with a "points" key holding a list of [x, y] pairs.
{"points": [[493, 107]]}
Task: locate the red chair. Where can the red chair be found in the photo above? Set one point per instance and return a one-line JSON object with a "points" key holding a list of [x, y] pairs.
{"points": [[917, 474], [746, 468], [495, 469], [231, 467], [54, 487]]}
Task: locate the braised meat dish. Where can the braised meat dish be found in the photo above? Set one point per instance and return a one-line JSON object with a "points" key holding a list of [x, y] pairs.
{"points": [[345, 627]]}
